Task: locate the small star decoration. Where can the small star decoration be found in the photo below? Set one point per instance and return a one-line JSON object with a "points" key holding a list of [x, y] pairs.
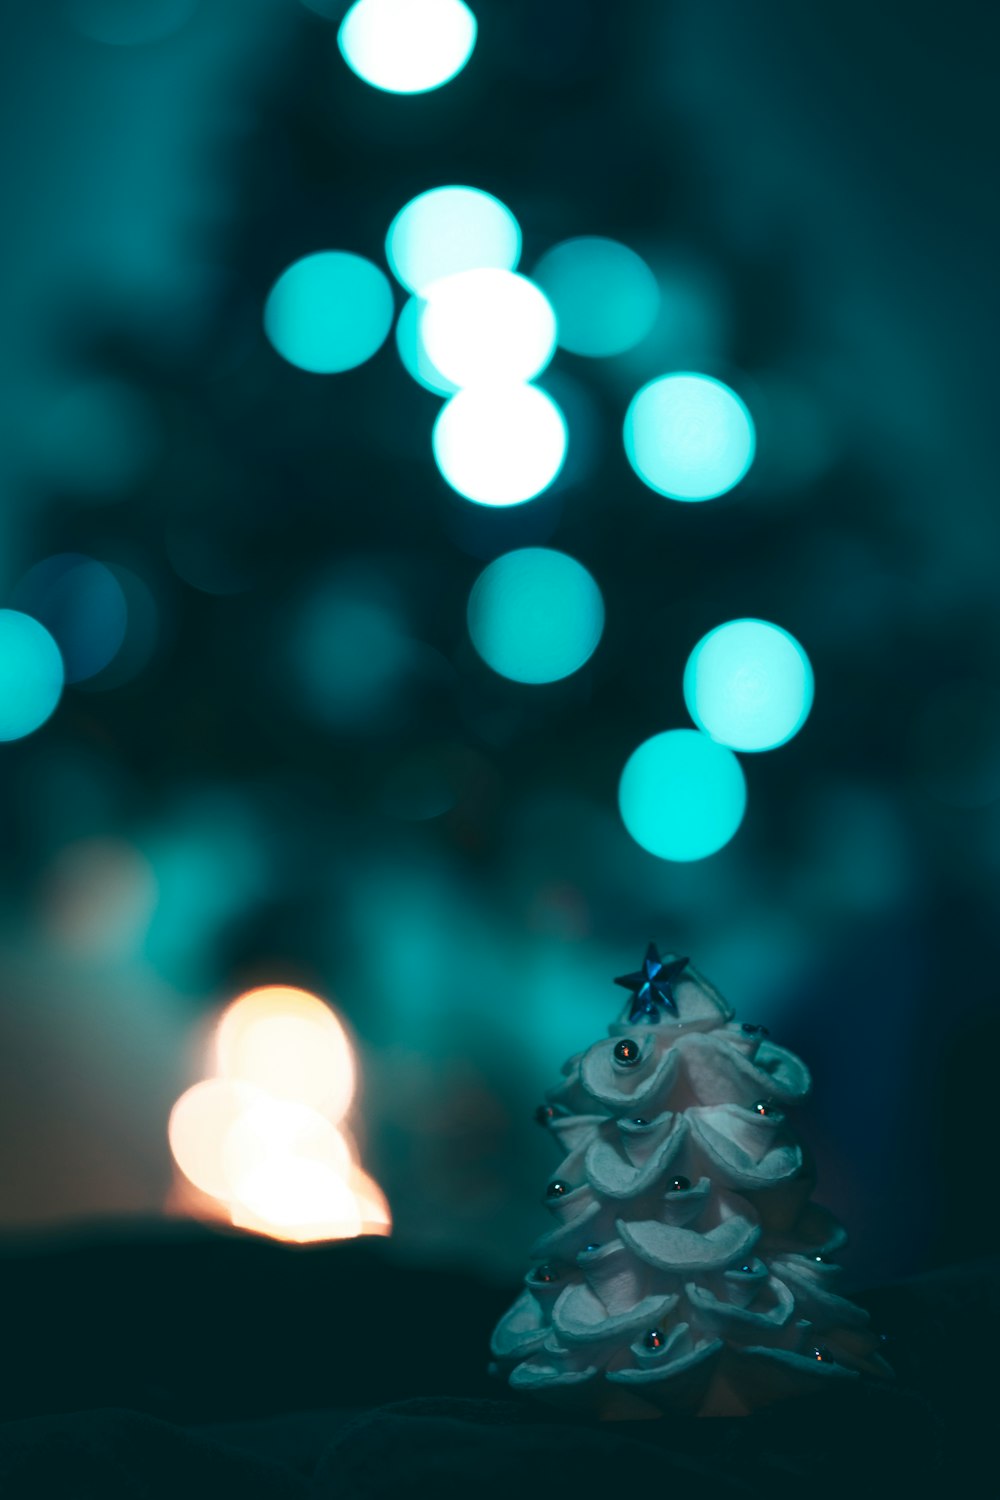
{"points": [[652, 986]]}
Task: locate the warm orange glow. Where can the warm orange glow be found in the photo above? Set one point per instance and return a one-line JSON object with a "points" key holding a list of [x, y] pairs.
{"points": [[262, 1140], [298, 1200], [199, 1128], [277, 1129], [375, 1215], [290, 1044]]}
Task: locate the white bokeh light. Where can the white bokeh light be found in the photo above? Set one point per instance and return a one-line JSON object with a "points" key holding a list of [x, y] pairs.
{"points": [[447, 230], [407, 46], [500, 445], [410, 346], [261, 1142], [199, 1127], [487, 325]]}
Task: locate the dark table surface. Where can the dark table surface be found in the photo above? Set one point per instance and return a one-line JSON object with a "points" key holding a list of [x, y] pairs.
{"points": [[152, 1362]]}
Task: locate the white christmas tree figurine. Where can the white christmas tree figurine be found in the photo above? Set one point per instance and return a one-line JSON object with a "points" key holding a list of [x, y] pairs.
{"points": [[688, 1269]]}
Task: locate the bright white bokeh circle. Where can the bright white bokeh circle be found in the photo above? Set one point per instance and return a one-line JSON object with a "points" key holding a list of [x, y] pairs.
{"points": [[500, 445], [407, 46], [487, 325], [447, 230]]}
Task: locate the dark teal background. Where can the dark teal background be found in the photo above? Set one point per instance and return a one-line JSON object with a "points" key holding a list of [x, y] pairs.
{"points": [[817, 187]]}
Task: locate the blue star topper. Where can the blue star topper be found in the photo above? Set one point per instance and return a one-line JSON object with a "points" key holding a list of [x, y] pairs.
{"points": [[653, 986]]}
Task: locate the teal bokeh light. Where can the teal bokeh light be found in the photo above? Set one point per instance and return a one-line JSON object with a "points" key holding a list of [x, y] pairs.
{"points": [[329, 312], [689, 437], [416, 361], [749, 685], [535, 615], [407, 46], [605, 296], [500, 445], [31, 675], [82, 605], [682, 796], [451, 229]]}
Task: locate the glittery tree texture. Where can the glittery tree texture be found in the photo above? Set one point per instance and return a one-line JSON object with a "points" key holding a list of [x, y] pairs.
{"points": [[688, 1269]]}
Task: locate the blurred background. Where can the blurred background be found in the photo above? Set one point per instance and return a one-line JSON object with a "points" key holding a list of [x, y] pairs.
{"points": [[279, 756]]}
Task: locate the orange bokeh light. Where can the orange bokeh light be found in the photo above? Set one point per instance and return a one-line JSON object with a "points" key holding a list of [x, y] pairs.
{"points": [[375, 1215], [290, 1044], [199, 1127], [262, 1139]]}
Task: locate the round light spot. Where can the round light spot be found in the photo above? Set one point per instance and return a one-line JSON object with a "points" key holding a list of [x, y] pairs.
{"points": [[605, 296], [500, 446], [31, 675], [535, 615], [129, 23], [487, 326], [416, 360], [199, 1127], [689, 437], [451, 229], [329, 312], [407, 46], [290, 1045], [82, 604], [682, 796], [749, 685]]}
